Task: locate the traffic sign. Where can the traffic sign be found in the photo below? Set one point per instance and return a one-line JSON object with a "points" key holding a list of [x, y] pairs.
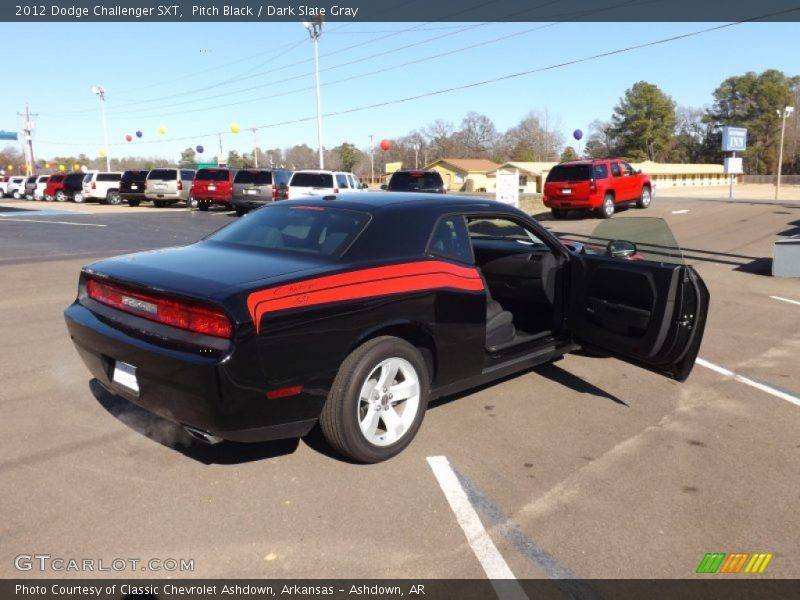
{"points": [[8, 135]]}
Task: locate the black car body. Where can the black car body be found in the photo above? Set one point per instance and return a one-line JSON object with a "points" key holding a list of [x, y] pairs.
{"points": [[30, 187], [131, 187], [416, 181], [302, 298], [253, 188], [73, 185]]}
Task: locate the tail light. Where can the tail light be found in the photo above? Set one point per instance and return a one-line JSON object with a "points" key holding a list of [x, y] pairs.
{"points": [[94, 185], [176, 313], [592, 186], [335, 190], [274, 192]]}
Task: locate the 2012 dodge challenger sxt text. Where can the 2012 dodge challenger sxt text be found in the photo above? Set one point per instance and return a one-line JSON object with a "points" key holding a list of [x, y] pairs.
{"points": [[355, 311]]}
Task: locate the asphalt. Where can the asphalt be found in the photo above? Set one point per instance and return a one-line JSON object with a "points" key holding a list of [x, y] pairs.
{"points": [[608, 470]]}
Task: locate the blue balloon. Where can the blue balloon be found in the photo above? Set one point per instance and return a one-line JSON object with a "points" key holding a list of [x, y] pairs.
{"points": [[138, 134], [577, 134], [199, 149]]}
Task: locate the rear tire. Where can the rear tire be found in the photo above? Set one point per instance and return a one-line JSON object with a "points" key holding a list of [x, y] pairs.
{"points": [[558, 213], [203, 206], [360, 418], [645, 198], [61, 196], [133, 202], [160, 203], [240, 212], [112, 197], [606, 211]]}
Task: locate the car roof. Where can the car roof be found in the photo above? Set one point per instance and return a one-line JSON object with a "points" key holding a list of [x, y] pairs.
{"points": [[374, 202]]}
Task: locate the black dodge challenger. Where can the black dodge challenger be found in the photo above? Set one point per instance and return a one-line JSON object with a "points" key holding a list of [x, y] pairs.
{"points": [[355, 311]]}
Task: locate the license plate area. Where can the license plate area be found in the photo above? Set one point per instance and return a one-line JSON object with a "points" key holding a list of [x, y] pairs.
{"points": [[124, 375], [251, 192], [211, 188], [566, 191]]}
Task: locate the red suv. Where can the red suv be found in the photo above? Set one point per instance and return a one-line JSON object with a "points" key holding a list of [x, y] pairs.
{"points": [[599, 185], [212, 186], [55, 184]]}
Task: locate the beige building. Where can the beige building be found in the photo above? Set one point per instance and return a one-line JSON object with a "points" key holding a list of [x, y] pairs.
{"points": [[466, 174], [667, 175]]}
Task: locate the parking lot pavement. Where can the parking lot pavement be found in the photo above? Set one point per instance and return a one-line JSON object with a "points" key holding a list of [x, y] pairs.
{"points": [[587, 466]]}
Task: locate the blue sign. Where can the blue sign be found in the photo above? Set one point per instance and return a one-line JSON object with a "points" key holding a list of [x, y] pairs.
{"points": [[734, 139], [8, 135]]}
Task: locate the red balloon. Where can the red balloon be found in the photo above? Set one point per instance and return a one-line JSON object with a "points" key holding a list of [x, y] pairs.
{"points": [[128, 138], [385, 145]]}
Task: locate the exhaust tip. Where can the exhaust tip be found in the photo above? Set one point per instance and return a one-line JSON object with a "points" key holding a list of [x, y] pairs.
{"points": [[203, 436]]}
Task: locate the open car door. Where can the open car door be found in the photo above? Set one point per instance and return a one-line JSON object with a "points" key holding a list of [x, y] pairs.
{"points": [[635, 299]]}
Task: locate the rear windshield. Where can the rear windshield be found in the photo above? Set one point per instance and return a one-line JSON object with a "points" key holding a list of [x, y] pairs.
{"points": [[211, 175], [415, 181], [75, 177], [570, 173], [108, 177], [56, 178], [253, 176], [307, 229], [88, 178], [164, 174], [134, 176], [312, 180], [31, 180]]}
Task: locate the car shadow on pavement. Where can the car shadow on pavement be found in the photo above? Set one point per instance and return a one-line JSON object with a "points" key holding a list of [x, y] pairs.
{"points": [[173, 436]]}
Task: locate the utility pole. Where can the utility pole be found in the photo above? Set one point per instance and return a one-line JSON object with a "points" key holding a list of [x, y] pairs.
{"points": [[784, 115], [220, 160], [371, 160], [255, 148], [27, 134], [100, 92], [314, 29]]}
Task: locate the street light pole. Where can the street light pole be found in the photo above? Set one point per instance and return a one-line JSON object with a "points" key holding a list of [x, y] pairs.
{"points": [[101, 93], [785, 115], [314, 31], [371, 159]]}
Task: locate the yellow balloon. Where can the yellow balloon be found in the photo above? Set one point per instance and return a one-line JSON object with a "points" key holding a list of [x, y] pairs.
{"points": [[76, 167], [162, 130], [61, 167], [102, 154], [10, 167], [234, 128]]}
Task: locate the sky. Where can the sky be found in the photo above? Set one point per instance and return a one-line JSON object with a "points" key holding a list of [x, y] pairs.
{"points": [[197, 79]]}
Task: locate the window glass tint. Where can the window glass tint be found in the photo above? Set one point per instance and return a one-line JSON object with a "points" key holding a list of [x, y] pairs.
{"points": [[211, 175], [109, 177], [87, 178], [600, 171], [615, 170], [415, 180], [501, 229], [31, 179], [653, 238], [356, 181], [307, 229], [314, 180], [451, 240], [163, 174], [253, 176], [341, 180], [137, 176], [281, 176], [570, 173], [627, 169], [187, 175], [56, 178]]}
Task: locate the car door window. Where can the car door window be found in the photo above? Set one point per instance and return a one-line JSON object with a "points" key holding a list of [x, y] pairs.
{"points": [[502, 230], [450, 239], [615, 170], [341, 181], [627, 170], [652, 236], [600, 171]]}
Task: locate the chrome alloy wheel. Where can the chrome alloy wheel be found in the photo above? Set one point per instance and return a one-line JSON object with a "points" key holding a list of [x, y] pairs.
{"points": [[389, 401]]}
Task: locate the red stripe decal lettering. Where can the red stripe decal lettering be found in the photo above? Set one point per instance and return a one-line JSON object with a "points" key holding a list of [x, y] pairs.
{"points": [[363, 283]]}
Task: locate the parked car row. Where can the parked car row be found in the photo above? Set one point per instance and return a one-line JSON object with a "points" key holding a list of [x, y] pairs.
{"points": [[239, 189]]}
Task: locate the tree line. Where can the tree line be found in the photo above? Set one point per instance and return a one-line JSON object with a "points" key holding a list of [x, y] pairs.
{"points": [[646, 124]]}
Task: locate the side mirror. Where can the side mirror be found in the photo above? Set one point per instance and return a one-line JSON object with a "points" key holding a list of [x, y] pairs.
{"points": [[620, 249], [638, 172], [384, 186], [364, 186]]}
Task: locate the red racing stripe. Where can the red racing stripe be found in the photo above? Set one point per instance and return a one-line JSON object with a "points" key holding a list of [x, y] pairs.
{"points": [[363, 283]]}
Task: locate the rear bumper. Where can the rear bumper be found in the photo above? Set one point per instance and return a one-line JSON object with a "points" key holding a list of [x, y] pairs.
{"points": [[573, 202], [189, 388], [250, 201]]}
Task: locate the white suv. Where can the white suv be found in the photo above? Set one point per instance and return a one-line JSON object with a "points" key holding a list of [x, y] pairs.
{"points": [[322, 183], [16, 187], [101, 186]]}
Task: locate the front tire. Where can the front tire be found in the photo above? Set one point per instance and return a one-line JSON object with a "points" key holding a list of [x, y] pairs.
{"points": [[61, 196], [133, 202], [377, 401], [607, 209], [160, 203], [240, 212], [112, 197], [203, 206], [558, 213], [645, 198]]}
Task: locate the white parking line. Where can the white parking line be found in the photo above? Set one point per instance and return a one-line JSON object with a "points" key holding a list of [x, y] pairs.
{"points": [[785, 300], [53, 222], [747, 381], [493, 563], [680, 212]]}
